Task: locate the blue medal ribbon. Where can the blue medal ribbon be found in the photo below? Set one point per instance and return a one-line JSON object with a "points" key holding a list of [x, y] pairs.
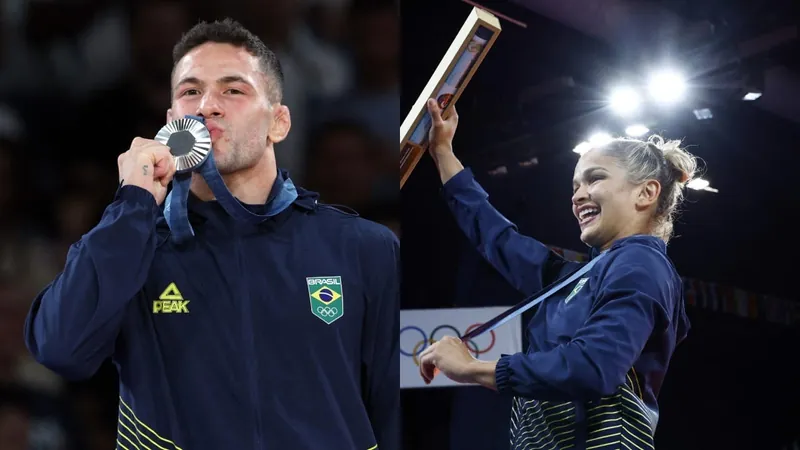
{"points": [[531, 301], [176, 209]]}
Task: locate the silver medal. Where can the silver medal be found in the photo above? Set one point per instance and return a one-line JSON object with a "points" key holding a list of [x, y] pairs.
{"points": [[189, 142]]}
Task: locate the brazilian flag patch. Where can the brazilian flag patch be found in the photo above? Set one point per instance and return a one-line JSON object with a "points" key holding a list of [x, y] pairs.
{"points": [[327, 298]]}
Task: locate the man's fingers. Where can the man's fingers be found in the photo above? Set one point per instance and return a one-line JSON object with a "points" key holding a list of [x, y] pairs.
{"points": [[162, 155], [163, 162], [167, 179]]}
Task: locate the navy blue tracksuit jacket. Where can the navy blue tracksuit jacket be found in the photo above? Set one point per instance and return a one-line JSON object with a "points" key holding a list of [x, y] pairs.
{"points": [[598, 349], [236, 340]]}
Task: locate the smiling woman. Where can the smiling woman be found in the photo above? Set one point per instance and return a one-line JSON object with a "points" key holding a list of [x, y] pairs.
{"points": [[629, 187], [599, 346]]}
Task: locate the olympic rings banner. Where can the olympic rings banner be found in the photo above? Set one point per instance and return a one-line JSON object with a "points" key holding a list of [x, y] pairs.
{"points": [[421, 327]]}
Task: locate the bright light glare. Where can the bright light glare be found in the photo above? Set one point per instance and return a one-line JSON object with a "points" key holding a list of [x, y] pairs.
{"points": [[667, 86], [599, 139], [582, 148], [703, 114], [625, 101], [636, 130], [698, 184], [750, 96]]}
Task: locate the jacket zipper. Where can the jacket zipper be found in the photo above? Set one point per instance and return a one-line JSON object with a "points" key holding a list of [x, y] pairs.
{"points": [[580, 429], [248, 336]]}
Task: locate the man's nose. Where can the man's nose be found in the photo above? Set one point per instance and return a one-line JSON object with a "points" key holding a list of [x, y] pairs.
{"points": [[209, 106]]}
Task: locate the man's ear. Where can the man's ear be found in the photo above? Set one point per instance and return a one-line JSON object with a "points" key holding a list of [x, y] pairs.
{"points": [[169, 116], [281, 123]]}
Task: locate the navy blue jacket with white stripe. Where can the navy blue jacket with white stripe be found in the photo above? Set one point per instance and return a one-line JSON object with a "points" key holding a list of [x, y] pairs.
{"points": [[224, 343], [598, 349]]}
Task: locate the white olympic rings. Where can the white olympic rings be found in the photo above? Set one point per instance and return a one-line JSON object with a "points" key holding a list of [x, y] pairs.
{"points": [[327, 311]]}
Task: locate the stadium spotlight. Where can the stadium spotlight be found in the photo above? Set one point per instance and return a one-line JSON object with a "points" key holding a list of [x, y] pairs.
{"points": [[667, 86], [582, 148], [599, 139], [750, 96], [700, 184], [625, 101], [636, 130]]}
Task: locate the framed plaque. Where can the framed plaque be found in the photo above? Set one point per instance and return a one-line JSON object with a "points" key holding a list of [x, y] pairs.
{"points": [[449, 80]]}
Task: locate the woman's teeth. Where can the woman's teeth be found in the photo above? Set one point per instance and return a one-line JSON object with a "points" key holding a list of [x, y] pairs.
{"points": [[588, 212]]}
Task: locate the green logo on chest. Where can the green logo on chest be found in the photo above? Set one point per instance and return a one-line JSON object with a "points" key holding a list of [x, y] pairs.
{"points": [[327, 298], [576, 289]]}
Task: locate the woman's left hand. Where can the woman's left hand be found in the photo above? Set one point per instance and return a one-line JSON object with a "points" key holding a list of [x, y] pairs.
{"points": [[451, 356]]}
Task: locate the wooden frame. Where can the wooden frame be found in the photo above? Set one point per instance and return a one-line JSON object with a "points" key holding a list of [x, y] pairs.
{"points": [[448, 81]]}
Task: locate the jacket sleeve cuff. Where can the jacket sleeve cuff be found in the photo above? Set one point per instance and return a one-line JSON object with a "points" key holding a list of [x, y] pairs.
{"points": [[458, 182], [135, 195], [502, 373]]}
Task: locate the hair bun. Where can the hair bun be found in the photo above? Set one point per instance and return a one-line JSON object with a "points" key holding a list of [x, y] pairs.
{"points": [[683, 163]]}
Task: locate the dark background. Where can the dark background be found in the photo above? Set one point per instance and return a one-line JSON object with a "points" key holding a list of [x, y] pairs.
{"points": [[733, 383]]}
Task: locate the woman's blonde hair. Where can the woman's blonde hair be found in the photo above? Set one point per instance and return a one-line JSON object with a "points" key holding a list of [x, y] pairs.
{"points": [[661, 160]]}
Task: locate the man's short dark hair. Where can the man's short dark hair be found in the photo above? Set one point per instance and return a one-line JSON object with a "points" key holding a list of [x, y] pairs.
{"points": [[229, 31]]}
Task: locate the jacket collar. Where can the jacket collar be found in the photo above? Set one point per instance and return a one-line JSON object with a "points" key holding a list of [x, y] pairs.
{"points": [[643, 239]]}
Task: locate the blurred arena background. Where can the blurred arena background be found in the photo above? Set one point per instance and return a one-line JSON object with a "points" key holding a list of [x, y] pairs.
{"points": [[544, 89], [80, 79]]}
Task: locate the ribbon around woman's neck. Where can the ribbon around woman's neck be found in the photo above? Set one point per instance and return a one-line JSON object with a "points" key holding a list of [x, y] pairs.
{"points": [[189, 142]]}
